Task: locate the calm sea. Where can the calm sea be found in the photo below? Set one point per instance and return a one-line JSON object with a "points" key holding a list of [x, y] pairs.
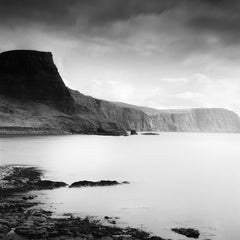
{"points": [[176, 179]]}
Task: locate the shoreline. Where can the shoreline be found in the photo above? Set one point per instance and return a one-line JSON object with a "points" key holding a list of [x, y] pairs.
{"points": [[19, 220]]}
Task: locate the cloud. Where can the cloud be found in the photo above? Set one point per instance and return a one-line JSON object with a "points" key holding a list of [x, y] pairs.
{"points": [[164, 53], [189, 95], [202, 92], [62, 13], [112, 85], [170, 28], [218, 19]]}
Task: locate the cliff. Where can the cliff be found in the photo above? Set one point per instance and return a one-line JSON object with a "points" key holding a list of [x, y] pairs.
{"points": [[32, 76], [190, 120], [35, 100], [127, 117], [197, 120]]}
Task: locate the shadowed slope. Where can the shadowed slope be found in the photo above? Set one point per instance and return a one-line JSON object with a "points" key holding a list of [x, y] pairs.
{"points": [[32, 75]]}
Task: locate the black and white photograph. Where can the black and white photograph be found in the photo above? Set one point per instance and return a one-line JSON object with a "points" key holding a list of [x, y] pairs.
{"points": [[119, 119]]}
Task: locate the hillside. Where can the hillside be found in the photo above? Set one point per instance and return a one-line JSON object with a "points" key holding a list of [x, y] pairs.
{"points": [[190, 120], [35, 100]]}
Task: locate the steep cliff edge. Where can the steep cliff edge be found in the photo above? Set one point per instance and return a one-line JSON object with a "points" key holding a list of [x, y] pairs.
{"points": [[197, 120], [190, 120], [35, 100], [127, 117], [32, 76]]}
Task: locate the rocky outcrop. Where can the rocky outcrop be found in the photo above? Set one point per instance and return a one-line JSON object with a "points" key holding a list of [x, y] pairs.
{"points": [[188, 232], [22, 219], [102, 183], [150, 134], [32, 75], [47, 184], [15, 178]]}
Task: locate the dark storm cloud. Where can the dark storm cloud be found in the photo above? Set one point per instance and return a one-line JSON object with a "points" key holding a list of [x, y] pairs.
{"points": [[218, 17], [206, 15], [68, 12], [221, 18], [50, 12]]}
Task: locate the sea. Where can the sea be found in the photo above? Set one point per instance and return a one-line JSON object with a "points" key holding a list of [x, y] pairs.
{"points": [[189, 180]]}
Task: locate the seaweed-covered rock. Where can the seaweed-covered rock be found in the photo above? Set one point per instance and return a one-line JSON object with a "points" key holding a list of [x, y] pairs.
{"points": [[47, 184], [133, 132], [101, 183], [188, 232], [25, 179]]}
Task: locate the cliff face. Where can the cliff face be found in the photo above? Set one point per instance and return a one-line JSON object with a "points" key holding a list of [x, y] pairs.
{"points": [[35, 100], [126, 117], [197, 120], [32, 75], [190, 120]]}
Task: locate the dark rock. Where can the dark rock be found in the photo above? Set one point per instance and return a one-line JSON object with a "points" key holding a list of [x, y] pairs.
{"points": [[150, 133], [46, 184], [30, 197], [32, 75], [156, 238], [125, 182], [133, 132], [18, 179], [101, 183], [188, 232], [21, 174], [19, 220], [26, 179]]}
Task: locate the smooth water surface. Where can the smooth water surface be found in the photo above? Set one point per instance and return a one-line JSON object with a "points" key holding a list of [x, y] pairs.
{"points": [[177, 179]]}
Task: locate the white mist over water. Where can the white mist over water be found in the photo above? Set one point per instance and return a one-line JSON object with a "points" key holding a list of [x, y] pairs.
{"points": [[176, 179]]}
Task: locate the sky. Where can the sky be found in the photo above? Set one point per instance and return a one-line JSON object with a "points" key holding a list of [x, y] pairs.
{"points": [[156, 53]]}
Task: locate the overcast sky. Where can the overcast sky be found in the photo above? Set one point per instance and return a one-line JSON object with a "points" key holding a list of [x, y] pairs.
{"points": [[157, 53]]}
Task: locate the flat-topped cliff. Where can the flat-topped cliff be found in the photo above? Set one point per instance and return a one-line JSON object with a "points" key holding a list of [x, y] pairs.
{"points": [[32, 75], [190, 120], [35, 100], [197, 120]]}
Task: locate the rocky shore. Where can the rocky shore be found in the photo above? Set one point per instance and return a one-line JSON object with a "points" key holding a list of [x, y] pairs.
{"points": [[20, 219]]}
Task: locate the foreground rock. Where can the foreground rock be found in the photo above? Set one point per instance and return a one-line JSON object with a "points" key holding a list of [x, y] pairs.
{"points": [[38, 224], [46, 184], [19, 220], [22, 179], [150, 133], [133, 132], [188, 232], [101, 183]]}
